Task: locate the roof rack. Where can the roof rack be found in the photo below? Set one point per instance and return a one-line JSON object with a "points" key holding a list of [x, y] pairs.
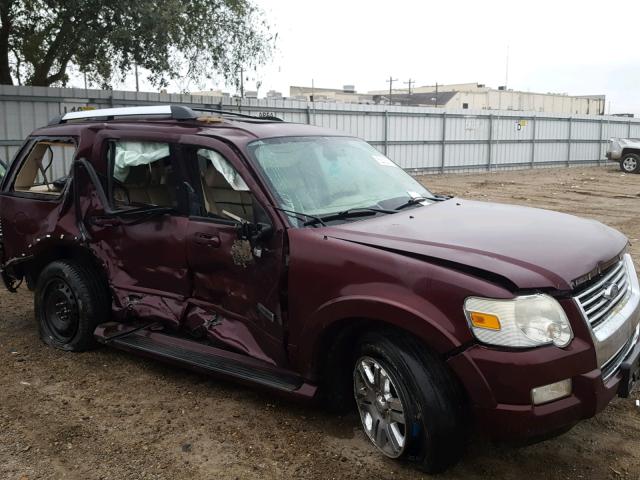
{"points": [[176, 112], [237, 114]]}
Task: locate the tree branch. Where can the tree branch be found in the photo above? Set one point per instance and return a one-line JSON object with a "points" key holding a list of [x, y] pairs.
{"points": [[41, 72]]}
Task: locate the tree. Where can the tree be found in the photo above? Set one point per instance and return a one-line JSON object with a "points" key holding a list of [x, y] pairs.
{"points": [[41, 40]]}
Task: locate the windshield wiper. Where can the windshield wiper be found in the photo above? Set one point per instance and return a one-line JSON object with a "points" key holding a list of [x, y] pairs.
{"points": [[412, 201], [351, 212], [302, 216]]}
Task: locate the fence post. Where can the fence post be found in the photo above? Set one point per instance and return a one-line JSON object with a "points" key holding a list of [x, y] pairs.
{"points": [[569, 144], [444, 141], [600, 142], [629, 129], [308, 114], [490, 144], [533, 141], [386, 132]]}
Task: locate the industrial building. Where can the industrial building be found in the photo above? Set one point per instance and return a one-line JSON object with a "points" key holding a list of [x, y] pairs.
{"points": [[472, 96]]}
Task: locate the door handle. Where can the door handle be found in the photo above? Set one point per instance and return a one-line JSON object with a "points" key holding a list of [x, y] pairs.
{"points": [[207, 239]]}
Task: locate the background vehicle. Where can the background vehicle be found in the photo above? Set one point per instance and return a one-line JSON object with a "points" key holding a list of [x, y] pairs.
{"points": [[306, 262], [625, 151]]}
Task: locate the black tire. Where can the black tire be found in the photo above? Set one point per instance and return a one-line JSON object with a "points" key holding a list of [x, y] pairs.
{"points": [[435, 407], [630, 163], [70, 301]]}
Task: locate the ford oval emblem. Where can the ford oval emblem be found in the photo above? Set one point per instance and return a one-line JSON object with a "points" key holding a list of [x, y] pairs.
{"points": [[611, 291]]}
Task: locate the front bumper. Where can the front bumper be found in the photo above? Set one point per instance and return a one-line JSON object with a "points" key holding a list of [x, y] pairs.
{"points": [[499, 383], [533, 422], [523, 421]]}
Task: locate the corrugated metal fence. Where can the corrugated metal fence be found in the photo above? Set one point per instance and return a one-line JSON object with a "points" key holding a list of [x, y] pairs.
{"points": [[420, 139]]}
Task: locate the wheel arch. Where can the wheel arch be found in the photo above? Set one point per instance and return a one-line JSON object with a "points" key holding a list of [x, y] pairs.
{"points": [[628, 150], [345, 320], [49, 251]]}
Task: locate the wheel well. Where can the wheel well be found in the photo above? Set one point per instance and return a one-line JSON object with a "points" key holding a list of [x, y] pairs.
{"points": [[33, 268], [335, 350], [631, 150]]}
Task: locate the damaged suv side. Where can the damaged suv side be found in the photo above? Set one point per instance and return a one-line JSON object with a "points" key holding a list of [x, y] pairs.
{"points": [[306, 262]]}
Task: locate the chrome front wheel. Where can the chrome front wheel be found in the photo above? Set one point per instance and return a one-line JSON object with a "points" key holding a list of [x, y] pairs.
{"points": [[380, 406]]}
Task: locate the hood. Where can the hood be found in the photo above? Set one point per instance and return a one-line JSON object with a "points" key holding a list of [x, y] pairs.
{"points": [[530, 247]]}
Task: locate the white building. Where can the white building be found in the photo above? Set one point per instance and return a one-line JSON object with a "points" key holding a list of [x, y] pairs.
{"points": [[476, 96]]}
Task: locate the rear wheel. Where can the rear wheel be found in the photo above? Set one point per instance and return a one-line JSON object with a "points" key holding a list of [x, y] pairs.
{"points": [[70, 301], [410, 404], [630, 163]]}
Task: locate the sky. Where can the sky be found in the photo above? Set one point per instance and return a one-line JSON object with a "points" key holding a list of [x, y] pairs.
{"points": [[574, 47]]}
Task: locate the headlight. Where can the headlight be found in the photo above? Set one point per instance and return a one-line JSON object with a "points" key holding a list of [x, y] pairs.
{"points": [[527, 321]]}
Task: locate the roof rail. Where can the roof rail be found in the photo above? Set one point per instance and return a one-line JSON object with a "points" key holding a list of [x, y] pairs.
{"points": [[237, 114], [177, 112]]}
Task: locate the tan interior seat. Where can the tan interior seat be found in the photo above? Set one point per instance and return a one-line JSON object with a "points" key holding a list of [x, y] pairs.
{"points": [[219, 195], [50, 189], [148, 184]]}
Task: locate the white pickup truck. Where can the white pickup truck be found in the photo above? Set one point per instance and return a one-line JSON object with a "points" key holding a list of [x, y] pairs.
{"points": [[625, 151]]}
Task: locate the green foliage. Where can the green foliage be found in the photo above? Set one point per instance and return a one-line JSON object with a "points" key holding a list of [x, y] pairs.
{"points": [[41, 40]]}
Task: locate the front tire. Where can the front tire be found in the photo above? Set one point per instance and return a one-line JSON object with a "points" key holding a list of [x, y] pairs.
{"points": [[630, 163], [410, 404], [70, 301]]}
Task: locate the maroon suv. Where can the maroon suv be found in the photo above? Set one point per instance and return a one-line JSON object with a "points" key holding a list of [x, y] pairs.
{"points": [[307, 262]]}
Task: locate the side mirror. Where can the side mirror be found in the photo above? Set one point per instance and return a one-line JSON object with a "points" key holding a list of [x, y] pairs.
{"points": [[261, 231], [254, 232]]}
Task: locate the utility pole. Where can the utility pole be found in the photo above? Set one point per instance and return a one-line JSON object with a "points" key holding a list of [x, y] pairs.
{"points": [[390, 82], [135, 69], [85, 80], [506, 75], [436, 94], [410, 82]]}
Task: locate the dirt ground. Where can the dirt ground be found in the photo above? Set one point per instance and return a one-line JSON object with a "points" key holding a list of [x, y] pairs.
{"points": [[111, 415]]}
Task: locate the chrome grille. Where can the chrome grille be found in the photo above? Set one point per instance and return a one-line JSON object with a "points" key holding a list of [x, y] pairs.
{"points": [[608, 293], [612, 365]]}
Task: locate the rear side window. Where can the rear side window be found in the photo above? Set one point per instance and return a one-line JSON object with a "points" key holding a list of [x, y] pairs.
{"points": [[45, 170], [142, 174]]}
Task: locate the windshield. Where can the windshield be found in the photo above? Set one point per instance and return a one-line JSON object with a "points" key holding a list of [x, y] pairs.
{"points": [[324, 175]]}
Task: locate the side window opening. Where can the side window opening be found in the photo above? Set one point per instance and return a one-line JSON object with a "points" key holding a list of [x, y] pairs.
{"points": [[222, 186], [142, 174], [46, 168], [3, 169]]}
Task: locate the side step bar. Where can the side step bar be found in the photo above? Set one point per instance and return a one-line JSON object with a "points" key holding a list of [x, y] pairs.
{"points": [[203, 358]]}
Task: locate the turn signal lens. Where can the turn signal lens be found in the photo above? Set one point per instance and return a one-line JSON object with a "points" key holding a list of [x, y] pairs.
{"points": [[485, 320]]}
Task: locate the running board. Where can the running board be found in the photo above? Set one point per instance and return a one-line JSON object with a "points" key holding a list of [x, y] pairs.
{"points": [[200, 357]]}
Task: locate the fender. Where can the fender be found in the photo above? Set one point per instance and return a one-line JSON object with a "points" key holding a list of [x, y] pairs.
{"points": [[338, 313]]}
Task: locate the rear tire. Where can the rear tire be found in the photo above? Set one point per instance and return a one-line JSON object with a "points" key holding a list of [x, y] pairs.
{"points": [[418, 412], [70, 301], [630, 163]]}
